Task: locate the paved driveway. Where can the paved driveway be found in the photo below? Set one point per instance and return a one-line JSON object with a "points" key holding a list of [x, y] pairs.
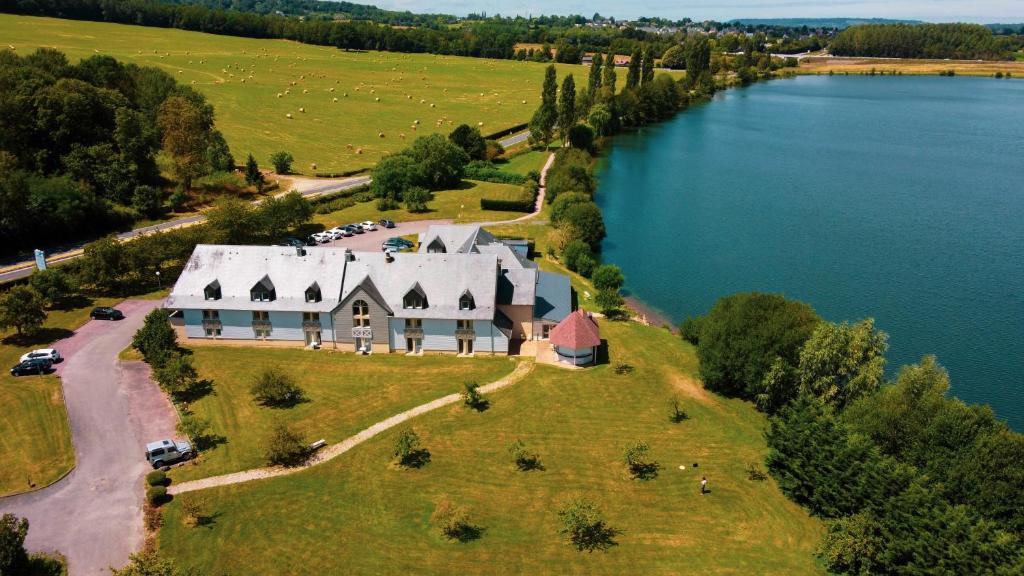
{"points": [[94, 515]]}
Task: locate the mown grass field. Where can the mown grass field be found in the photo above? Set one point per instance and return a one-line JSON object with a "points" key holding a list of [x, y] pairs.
{"points": [[345, 394], [908, 66], [241, 77], [460, 205], [357, 515]]}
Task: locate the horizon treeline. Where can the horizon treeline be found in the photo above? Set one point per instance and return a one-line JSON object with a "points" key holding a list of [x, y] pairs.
{"points": [[933, 41]]}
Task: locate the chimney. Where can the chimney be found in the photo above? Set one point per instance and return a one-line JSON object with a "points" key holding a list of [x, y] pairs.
{"points": [[349, 256], [388, 257], [300, 251]]}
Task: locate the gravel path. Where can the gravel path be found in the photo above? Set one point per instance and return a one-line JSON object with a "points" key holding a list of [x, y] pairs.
{"points": [[335, 450]]}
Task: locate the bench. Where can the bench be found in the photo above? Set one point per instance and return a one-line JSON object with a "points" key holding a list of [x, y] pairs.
{"points": [[317, 445]]}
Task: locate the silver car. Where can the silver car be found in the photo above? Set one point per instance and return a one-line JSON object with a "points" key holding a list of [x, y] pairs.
{"points": [[164, 452]]}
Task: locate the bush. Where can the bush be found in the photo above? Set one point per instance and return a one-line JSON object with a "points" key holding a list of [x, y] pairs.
{"points": [[416, 199], [148, 200], [469, 139], [488, 172], [562, 204], [609, 301], [408, 453], [198, 429], [690, 330], [272, 387], [581, 136], [334, 205], [285, 447], [573, 252], [156, 478], [471, 397], [177, 199], [608, 277], [524, 458], [586, 222], [676, 414], [282, 162], [493, 150], [157, 495], [622, 368], [639, 466], [755, 472], [582, 522], [585, 265], [453, 521], [156, 339]]}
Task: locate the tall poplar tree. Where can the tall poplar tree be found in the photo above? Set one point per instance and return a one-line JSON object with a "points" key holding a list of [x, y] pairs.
{"points": [[543, 123], [633, 74], [608, 74], [567, 107], [647, 67], [594, 81]]}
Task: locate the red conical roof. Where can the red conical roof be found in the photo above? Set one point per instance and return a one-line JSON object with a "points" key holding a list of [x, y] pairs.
{"points": [[578, 330]]}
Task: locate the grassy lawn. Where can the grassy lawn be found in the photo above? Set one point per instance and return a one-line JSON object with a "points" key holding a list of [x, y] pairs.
{"points": [[346, 394], [523, 163], [462, 205], [355, 515], [498, 93]]}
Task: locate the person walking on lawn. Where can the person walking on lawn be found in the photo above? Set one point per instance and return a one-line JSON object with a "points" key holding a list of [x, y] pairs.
{"points": [[704, 485]]}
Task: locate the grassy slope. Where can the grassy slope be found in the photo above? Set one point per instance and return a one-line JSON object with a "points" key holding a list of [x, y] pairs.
{"points": [[469, 90], [346, 393], [462, 205], [909, 67], [354, 515]]}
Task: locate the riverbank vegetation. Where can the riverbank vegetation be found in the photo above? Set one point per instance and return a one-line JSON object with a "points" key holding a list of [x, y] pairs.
{"points": [[931, 41], [907, 479]]}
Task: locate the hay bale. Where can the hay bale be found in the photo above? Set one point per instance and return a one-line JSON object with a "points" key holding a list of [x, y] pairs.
{"points": [[376, 99], [313, 165], [288, 116], [359, 150], [401, 135], [335, 99], [279, 94], [415, 121], [380, 135], [479, 123], [330, 89], [433, 105], [423, 101], [303, 110]]}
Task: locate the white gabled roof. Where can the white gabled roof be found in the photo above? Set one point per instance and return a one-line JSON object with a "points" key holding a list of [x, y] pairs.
{"points": [[239, 268]]}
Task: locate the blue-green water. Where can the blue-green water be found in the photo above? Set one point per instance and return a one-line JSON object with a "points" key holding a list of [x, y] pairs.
{"points": [[898, 198]]}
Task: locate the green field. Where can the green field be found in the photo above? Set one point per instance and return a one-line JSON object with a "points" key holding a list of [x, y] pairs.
{"points": [[431, 89], [346, 393], [356, 515]]}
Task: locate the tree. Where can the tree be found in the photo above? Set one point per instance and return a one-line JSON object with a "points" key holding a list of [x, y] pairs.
{"points": [[469, 139], [524, 458], [542, 124], [22, 308], [393, 175], [594, 78], [633, 72], [608, 74], [279, 215], [196, 428], [441, 163], [54, 284], [639, 465], [148, 200], [156, 339], [218, 155], [233, 221], [609, 301], [408, 453], [471, 397], [567, 107], [416, 199], [272, 387], [600, 119], [608, 277], [185, 130], [285, 447], [453, 521], [583, 524], [253, 176], [282, 162], [177, 376], [647, 66], [13, 557], [586, 221], [742, 336], [147, 564], [840, 363], [581, 136], [562, 204], [674, 58], [101, 264], [697, 52], [575, 250]]}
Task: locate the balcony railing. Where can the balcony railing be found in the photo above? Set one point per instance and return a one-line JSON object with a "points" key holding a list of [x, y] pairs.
{"points": [[414, 333], [311, 324], [362, 332], [211, 324], [261, 324], [465, 333]]}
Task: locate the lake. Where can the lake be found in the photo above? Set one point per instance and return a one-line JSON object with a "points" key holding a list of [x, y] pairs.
{"points": [[898, 198]]}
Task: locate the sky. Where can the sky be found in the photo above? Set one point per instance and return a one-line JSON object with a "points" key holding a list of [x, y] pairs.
{"points": [[982, 11]]}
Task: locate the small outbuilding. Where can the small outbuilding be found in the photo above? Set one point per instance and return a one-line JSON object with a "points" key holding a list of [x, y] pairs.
{"points": [[576, 339]]}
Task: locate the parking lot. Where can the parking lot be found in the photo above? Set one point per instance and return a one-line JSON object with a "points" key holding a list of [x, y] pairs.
{"points": [[371, 241]]}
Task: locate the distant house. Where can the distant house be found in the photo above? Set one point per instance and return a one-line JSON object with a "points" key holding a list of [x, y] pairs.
{"points": [[463, 292], [576, 339], [587, 60]]}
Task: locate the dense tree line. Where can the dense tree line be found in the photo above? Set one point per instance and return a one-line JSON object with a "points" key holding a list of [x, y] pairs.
{"points": [[908, 480], [78, 144], [957, 41]]}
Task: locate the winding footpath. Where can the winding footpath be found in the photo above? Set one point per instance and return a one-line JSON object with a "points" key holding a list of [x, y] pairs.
{"points": [[331, 452]]}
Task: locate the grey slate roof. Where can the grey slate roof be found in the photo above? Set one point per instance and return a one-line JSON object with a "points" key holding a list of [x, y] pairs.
{"points": [[518, 287], [554, 297], [239, 268], [457, 238]]}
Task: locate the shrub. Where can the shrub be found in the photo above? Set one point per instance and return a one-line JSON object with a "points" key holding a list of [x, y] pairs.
{"points": [[690, 330], [582, 522], [285, 447], [195, 510], [471, 397], [622, 368], [755, 472], [282, 162], [408, 453], [581, 136], [488, 172], [156, 339], [157, 495], [637, 462], [607, 277], [156, 478], [416, 199], [272, 387], [575, 250], [152, 519], [562, 204], [493, 150], [334, 205], [198, 429], [453, 521], [147, 200], [676, 414], [609, 301], [587, 223], [177, 199], [524, 458], [469, 139]]}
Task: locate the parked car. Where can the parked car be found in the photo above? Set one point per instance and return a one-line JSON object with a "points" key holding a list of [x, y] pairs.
{"points": [[369, 226], [106, 313], [44, 354], [357, 228], [323, 237], [34, 366], [397, 241], [336, 233], [290, 241], [387, 223], [164, 452]]}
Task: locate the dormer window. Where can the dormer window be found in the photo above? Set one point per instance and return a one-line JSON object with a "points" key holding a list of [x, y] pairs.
{"points": [[466, 301], [263, 291], [415, 298], [212, 291], [436, 246], [313, 293]]}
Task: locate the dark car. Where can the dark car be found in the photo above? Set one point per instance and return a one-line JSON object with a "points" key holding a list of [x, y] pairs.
{"points": [[32, 366], [385, 223], [106, 313], [293, 242], [355, 229]]}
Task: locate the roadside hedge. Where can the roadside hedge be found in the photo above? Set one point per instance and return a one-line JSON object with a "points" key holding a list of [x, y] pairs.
{"points": [[157, 495], [157, 478]]}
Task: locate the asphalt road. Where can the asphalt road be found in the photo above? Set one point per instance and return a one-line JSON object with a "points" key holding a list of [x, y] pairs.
{"points": [[94, 515], [308, 187]]}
